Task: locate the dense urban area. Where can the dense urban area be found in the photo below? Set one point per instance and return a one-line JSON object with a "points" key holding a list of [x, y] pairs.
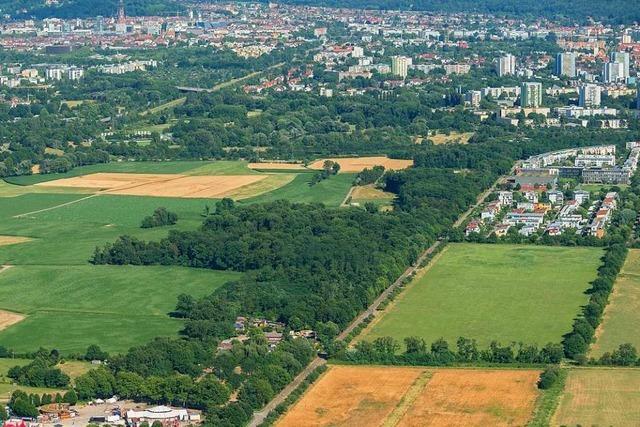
{"points": [[319, 213]]}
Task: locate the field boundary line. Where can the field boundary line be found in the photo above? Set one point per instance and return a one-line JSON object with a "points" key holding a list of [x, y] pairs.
{"points": [[409, 399], [56, 206]]}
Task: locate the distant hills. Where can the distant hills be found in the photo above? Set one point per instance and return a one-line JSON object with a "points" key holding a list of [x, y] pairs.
{"points": [[86, 8], [611, 11]]}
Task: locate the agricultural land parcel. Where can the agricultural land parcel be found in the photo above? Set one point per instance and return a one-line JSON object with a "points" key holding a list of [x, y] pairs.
{"points": [[600, 397], [622, 316], [70, 303], [394, 396], [507, 293]]}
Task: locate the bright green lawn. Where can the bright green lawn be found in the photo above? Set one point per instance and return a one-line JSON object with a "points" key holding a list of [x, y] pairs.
{"points": [[507, 293], [622, 315], [331, 191]]}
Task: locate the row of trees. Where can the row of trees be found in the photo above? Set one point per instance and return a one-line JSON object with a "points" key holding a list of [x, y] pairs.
{"points": [[577, 342], [369, 176], [386, 350]]}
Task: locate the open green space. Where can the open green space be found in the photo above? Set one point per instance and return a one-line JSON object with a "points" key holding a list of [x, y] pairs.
{"points": [[70, 303], [622, 315], [600, 397], [508, 293], [331, 191]]}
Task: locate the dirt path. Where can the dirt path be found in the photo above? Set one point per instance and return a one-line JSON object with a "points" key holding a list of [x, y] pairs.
{"points": [[258, 417], [408, 399], [348, 196], [55, 207]]}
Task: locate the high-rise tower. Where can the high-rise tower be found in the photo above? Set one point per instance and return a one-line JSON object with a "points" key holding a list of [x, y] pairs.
{"points": [[121, 16]]}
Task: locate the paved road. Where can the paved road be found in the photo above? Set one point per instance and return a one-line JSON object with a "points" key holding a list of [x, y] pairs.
{"points": [[258, 417]]}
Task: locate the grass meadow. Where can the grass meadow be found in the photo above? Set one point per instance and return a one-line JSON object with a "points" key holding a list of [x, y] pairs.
{"points": [[331, 191], [622, 315], [508, 293], [70, 303]]}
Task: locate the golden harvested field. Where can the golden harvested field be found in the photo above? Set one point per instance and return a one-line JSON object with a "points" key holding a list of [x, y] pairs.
{"points": [[357, 164], [159, 185], [370, 192], [276, 166], [12, 240], [402, 396], [8, 318], [452, 138], [352, 395], [465, 397], [600, 397]]}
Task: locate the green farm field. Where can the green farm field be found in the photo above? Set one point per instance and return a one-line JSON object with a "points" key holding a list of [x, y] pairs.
{"points": [[330, 191], [506, 293], [600, 397], [70, 303], [622, 315]]}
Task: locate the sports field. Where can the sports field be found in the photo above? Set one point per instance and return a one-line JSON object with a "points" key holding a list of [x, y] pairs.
{"points": [[411, 396], [600, 397], [622, 315], [508, 293]]}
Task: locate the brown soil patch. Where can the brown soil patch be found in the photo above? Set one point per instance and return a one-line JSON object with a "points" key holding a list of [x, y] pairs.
{"points": [[357, 164], [352, 395], [12, 240], [276, 166], [7, 318], [159, 185], [465, 397], [35, 169]]}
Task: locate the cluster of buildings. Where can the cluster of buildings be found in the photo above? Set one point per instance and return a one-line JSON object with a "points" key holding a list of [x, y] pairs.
{"points": [[590, 165], [529, 215], [127, 67], [274, 332]]}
